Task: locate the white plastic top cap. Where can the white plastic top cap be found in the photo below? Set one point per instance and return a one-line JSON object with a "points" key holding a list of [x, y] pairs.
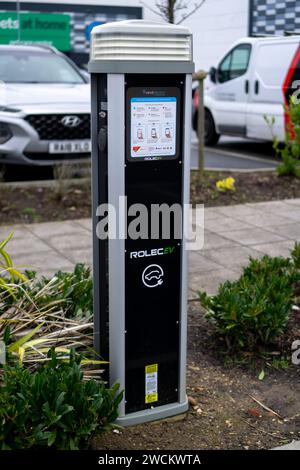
{"points": [[141, 27], [141, 40]]}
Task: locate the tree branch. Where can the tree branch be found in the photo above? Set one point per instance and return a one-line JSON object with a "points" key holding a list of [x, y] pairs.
{"points": [[161, 14], [167, 9], [196, 7]]}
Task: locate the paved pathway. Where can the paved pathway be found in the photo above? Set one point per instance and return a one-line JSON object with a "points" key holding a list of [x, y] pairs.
{"points": [[294, 445], [232, 234]]}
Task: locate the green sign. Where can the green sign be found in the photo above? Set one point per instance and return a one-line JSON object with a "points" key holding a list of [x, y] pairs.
{"points": [[51, 29]]}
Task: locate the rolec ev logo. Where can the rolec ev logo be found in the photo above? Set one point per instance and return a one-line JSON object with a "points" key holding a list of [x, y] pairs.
{"points": [[153, 276], [168, 250]]}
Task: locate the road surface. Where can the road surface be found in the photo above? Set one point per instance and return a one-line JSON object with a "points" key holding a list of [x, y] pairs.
{"points": [[235, 154]]}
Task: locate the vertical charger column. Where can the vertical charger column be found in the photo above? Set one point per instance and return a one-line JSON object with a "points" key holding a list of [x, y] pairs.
{"points": [[141, 120]]}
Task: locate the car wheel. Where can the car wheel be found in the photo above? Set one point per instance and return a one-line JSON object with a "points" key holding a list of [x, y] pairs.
{"points": [[211, 136]]}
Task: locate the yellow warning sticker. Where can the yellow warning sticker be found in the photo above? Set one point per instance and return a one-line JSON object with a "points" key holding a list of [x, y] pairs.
{"points": [[151, 388]]}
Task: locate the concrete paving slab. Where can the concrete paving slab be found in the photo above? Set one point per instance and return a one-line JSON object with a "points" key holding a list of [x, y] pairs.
{"points": [[232, 257], [265, 220], [284, 209], [270, 206], [199, 263], [293, 202], [85, 223], [26, 245], [211, 213], [84, 255], [69, 242], [254, 236], [288, 231], [223, 224], [210, 281], [46, 262], [294, 215], [214, 241], [192, 295], [19, 231], [294, 445], [275, 249], [239, 211], [52, 229]]}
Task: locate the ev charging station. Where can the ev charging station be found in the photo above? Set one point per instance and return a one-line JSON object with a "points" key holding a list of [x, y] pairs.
{"points": [[141, 82]]}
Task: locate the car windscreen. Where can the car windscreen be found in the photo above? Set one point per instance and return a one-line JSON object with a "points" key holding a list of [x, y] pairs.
{"points": [[28, 67]]}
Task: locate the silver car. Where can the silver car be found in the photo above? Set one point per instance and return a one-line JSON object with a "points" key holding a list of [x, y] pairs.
{"points": [[44, 107]]}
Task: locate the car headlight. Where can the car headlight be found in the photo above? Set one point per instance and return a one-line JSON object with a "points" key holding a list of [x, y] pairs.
{"points": [[5, 133], [6, 109]]}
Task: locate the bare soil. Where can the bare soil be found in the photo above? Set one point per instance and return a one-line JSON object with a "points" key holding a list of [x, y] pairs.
{"points": [[62, 201], [249, 187], [223, 413], [44, 204]]}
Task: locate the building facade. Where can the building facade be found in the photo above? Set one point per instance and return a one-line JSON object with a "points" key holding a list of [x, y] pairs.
{"points": [[71, 26], [215, 26], [218, 24], [274, 17]]}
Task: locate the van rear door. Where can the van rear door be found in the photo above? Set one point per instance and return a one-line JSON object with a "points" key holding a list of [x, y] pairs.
{"points": [[268, 74]]}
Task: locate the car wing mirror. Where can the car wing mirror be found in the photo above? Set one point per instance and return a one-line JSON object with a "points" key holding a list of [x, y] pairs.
{"points": [[213, 74]]}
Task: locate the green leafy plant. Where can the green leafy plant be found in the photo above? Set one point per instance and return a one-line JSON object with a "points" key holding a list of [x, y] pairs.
{"points": [[74, 290], [8, 274], [30, 213], [53, 406], [36, 315], [296, 255], [280, 363], [255, 309], [289, 152], [47, 398]]}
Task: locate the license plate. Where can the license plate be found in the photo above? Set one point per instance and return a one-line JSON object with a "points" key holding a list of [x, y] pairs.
{"points": [[70, 146]]}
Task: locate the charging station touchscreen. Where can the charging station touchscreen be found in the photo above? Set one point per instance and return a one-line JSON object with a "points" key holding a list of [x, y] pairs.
{"points": [[153, 127]]}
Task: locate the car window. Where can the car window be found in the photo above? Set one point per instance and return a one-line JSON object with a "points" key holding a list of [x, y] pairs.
{"points": [[27, 67], [235, 63], [224, 70]]}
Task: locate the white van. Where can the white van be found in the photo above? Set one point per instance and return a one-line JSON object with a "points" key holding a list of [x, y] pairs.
{"points": [[254, 79]]}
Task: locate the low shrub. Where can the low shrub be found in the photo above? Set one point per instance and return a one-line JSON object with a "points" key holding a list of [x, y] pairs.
{"points": [[289, 152], [254, 310], [53, 406], [73, 289], [296, 255], [8, 274], [36, 313], [50, 396]]}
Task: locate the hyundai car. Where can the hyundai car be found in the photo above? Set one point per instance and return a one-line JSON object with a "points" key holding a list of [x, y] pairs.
{"points": [[44, 107]]}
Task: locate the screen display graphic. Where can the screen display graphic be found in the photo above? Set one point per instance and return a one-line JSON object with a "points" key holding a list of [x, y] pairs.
{"points": [[153, 127]]}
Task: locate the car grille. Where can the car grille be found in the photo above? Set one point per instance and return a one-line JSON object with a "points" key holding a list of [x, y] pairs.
{"points": [[49, 127]]}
